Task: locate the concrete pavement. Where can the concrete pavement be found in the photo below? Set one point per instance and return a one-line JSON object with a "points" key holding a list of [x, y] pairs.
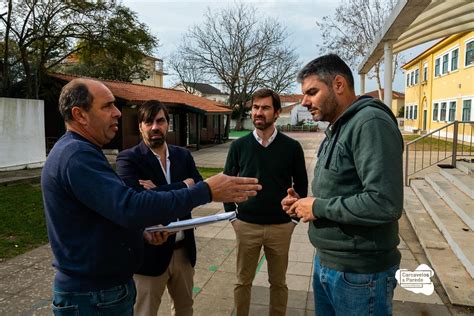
{"points": [[25, 281]]}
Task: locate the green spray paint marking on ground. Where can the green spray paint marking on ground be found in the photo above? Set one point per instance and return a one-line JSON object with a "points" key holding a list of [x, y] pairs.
{"points": [[196, 290], [260, 264], [213, 268]]}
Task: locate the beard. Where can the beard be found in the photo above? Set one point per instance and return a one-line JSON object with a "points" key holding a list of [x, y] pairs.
{"points": [[262, 125], [156, 142]]}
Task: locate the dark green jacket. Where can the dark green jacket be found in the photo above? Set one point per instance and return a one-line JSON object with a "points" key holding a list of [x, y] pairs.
{"points": [[358, 188]]}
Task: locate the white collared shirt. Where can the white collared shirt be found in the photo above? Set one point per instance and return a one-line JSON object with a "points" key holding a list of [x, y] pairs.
{"points": [[270, 139], [167, 173]]}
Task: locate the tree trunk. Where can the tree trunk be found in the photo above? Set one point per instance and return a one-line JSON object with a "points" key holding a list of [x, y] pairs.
{"points": [[5, 86]]}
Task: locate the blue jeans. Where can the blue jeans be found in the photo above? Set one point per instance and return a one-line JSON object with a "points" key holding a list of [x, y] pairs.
{"points": [[116, 301], [345, 294]]}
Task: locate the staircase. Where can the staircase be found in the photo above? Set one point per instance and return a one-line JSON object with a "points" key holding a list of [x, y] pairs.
{"points": [[445, 227]]}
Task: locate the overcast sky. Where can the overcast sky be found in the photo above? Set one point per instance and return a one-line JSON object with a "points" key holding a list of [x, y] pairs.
{"points": [[169, 20]]}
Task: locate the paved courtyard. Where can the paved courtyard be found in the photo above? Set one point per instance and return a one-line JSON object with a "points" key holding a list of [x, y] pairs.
{"points": [[25, 281]]}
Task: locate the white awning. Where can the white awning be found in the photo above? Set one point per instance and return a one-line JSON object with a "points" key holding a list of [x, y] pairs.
{"points": [[414, 22]]}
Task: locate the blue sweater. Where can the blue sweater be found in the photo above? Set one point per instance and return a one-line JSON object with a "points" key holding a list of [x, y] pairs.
{"points": [[95, 221]]}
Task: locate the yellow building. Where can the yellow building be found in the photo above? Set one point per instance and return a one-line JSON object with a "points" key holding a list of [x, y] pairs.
{"points": [[439, 85]]}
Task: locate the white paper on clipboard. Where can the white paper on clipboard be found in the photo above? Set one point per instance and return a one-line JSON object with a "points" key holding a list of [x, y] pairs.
{"points": [[192, 223]]}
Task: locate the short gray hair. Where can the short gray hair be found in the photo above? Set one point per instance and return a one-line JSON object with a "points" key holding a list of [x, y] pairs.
{"points": [[75, 93]]}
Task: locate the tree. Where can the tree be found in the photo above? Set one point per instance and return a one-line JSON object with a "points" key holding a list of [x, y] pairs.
{"points": [[241, 51], [187, 72], [118, 53], [43, 33], [353, 28]]}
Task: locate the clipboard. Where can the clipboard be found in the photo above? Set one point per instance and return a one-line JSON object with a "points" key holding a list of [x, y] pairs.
{"points": [[192, 223]]}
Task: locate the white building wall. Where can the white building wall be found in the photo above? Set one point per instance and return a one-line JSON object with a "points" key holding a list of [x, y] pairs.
{"points": [[22, 138], [300, 113]]}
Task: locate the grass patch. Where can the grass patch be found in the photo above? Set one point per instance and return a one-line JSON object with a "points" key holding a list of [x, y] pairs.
{"points": [[435, 144], [22, 223], [238, 134], [208, 172]]}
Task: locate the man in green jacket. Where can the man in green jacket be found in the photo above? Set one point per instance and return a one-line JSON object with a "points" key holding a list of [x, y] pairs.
{"points": [[357, 194]]}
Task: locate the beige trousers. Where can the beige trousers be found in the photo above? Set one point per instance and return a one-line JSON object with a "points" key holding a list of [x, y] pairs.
{"points": [[178, 278], [275, 240]]}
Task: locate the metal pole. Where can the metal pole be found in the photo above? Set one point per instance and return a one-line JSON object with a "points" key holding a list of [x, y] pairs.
{"points": [[388, 69], [455, 143], [362, 84]]}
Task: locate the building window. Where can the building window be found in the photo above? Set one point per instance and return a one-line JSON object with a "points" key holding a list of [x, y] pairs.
{"points": [[203, 121], [452, 111], [408, 79], [442, 112], [171, 123], [466, 110], [437, 61], [425, 72], [435, 111], [412, 78], [216, 121], [445, 63], [417, 75], [406, 111], [469, 60], [415, 112], [454, 59]]}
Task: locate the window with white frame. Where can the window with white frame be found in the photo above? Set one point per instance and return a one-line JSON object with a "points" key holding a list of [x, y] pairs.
{"points": [[442, 112], [466, 110], [425, 72], [452, 111], [454, 59], [415, 112], [435, 111], [469, 59], [447, 62], [413, 77]]}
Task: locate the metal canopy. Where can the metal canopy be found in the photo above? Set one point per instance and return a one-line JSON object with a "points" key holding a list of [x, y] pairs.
{"points": [[414, 22]]}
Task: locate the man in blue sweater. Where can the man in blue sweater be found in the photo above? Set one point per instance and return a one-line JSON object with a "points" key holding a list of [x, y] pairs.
{"points": [[95, 221], [278, 161]]}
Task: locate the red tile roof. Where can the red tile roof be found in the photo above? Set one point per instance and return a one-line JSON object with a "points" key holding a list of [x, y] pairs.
{"points": [[291, 98], [139, 93], [395, 94]]}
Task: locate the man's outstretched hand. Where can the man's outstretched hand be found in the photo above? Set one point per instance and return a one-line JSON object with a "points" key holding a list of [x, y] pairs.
{"points": [[226, 188]]}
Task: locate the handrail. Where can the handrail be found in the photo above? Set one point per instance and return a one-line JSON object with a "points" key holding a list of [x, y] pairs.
{"points": [[456, 140]]}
